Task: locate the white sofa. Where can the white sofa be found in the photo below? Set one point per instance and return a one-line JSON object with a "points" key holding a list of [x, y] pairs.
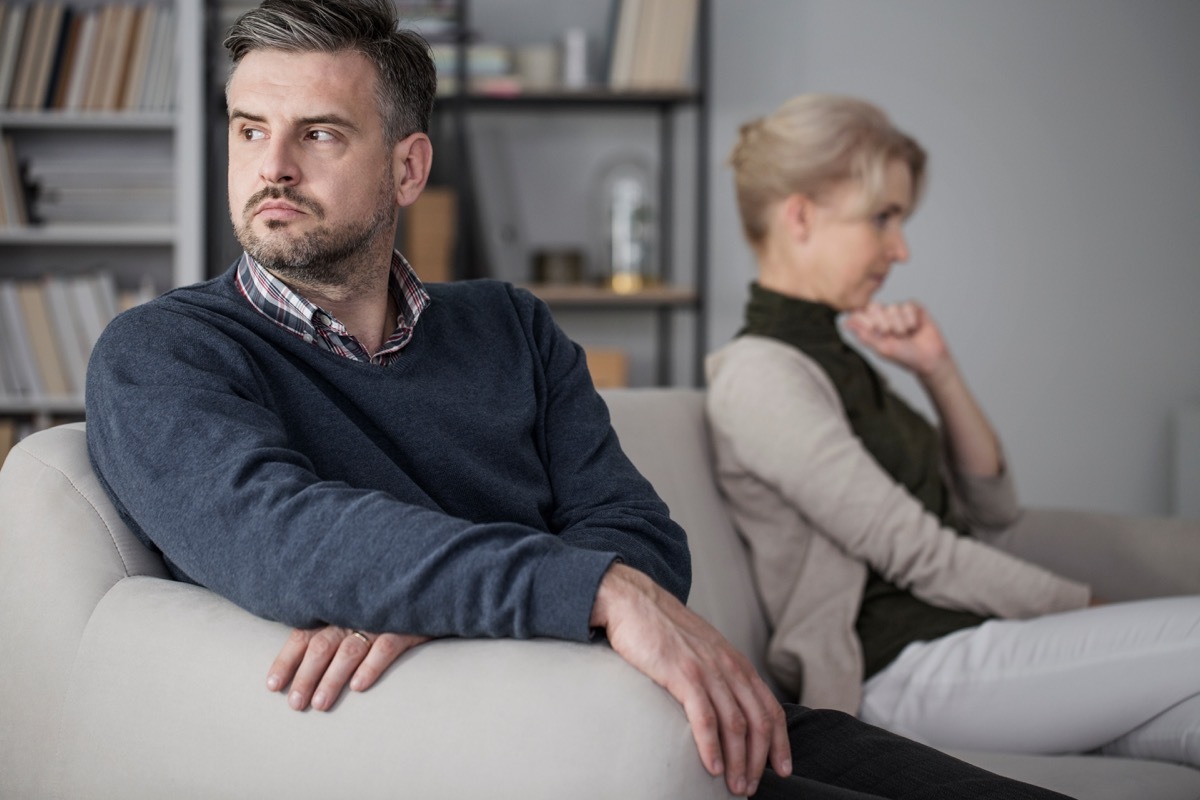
{"points": [[117, 682]]}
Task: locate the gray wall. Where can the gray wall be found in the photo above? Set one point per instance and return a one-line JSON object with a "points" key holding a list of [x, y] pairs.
{"points": [[1058, 242]]}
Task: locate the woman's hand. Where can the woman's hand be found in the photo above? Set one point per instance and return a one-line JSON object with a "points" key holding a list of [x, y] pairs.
{"points": [[906, 334], [903, 333], [318, 663]]}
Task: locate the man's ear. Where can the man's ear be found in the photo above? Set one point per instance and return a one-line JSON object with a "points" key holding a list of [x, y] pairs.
{"points": [[412, 158]]}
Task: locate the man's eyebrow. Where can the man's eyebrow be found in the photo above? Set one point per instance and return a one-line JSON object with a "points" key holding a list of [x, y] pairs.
{"points": [[319, 119]]}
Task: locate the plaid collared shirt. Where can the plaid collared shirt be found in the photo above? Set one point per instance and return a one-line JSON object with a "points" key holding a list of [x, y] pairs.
{"points": [[274, 300]]}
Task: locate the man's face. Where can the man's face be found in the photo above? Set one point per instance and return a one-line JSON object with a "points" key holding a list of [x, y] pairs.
{"points": [[311, 182]]}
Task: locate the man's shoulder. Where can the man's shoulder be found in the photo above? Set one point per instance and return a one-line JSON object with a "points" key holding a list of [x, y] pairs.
{"points": [[484, 298], [174, 312], [476, 291]]}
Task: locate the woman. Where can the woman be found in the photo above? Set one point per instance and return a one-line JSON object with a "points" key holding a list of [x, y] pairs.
{"points": [[869, 528]]}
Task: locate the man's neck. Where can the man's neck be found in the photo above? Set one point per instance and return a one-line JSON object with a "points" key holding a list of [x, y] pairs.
{"points": [[365, 307]]}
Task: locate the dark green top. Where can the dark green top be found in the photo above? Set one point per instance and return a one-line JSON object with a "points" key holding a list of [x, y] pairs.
{"points": [[902, 441]]}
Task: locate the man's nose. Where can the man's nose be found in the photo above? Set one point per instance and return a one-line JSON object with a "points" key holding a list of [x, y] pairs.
{"points": [[279, 164]]}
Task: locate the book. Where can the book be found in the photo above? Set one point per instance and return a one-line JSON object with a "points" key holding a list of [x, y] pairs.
{"points": [[429, 226], [27, 60], [677, 60], [93, 93], [83, 62], [51, 41], [42, 337], [161, 91], [67, 334], [9, 385], [118, 57], [10, 48], [64, 64], [142, 205], [29, 382], [620, 68], [16, 211], [8, 437], [609, 367], [135, 81], [85, 305]]}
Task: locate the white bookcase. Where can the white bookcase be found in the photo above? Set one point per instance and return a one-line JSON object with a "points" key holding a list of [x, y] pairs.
{"points": [[153, 256]]}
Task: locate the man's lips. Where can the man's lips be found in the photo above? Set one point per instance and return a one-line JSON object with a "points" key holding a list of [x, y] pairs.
{"points": [[278, 209]]}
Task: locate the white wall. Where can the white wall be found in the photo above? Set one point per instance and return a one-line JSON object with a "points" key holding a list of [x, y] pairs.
{"points": [[1058, 241]]}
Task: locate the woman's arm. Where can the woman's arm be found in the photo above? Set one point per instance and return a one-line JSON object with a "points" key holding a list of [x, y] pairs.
{"points": [[776, 417], [906, 334]]}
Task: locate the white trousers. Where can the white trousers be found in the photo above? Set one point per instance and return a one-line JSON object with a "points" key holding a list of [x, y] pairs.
{"points": [[1122, 678]]}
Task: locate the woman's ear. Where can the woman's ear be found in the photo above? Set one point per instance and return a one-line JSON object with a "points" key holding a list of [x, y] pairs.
{"points": [[797, 212]]}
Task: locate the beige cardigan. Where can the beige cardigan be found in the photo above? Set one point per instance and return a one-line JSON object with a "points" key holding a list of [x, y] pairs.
{"points": [[816, 509]]}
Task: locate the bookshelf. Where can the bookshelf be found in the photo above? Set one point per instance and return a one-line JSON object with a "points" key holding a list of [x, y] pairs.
{"points": [[629, 86], [103, 140]]}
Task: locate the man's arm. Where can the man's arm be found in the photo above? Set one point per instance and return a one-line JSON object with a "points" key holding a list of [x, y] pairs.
{"points": [[198, 461], [737, 723]]}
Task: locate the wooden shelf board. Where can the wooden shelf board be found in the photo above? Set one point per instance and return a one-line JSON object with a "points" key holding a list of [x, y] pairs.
{"points": [[87, 120], [114, 233], [585, 295], [567, 99], [50, 404]]}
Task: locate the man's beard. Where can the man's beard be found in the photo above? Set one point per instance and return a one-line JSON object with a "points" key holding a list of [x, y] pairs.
{"points": [[326, 255]]}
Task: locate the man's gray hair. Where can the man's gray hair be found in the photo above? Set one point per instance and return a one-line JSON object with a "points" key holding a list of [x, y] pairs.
{"points": [[407, 81]]}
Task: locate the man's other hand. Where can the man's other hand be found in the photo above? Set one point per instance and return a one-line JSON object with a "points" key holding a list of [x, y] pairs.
{"points": [[318, 663], [736, 721]]}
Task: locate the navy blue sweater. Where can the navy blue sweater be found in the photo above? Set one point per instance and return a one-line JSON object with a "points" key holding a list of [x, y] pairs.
{"points": [[474, 487]]}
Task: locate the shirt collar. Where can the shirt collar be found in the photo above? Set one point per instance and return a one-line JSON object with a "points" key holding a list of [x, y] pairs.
{"points": [[275, 300]]}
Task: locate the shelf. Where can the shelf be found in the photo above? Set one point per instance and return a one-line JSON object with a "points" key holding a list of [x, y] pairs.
{"points": [[575, 100], [83, 235], [584, 296], [88, 120], [50, 404]]}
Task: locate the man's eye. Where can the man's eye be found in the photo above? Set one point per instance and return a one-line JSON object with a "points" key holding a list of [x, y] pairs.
{"points": [[251, 134], [320, 136]]}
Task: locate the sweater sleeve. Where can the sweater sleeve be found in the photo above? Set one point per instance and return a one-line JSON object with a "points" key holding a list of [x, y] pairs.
{"points": [[184, 440], [785, 426], [603, 503]]}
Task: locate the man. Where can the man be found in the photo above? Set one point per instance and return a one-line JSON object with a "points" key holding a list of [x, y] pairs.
{"points": [[371, 454]]}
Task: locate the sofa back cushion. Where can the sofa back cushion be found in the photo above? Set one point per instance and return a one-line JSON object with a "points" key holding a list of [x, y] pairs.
{"points": [[664, 433]]}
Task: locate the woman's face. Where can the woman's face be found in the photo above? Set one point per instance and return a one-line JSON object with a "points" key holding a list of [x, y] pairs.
{"points": [[849, 254]]}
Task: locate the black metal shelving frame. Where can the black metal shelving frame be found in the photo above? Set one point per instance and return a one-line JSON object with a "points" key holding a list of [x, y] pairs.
{"points": [[664, 105]]}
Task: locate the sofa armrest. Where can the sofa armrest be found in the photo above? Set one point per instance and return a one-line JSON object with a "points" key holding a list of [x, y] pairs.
{"points": [[168, 697], [121, 683], [1121, 557]]}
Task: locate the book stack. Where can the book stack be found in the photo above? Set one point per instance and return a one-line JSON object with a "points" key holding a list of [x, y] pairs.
{"points": [[87, 190], [651, 44], [113, 57], [47, 329], [489, 69], [10, 433], [14, 210]]}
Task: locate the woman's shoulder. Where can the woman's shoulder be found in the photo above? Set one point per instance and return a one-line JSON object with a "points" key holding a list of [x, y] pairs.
{"points": [[763, 361]]}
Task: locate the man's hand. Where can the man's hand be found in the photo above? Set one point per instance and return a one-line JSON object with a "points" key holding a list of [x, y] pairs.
{"points": [[318, 663], [736, 721], [904, 333]]}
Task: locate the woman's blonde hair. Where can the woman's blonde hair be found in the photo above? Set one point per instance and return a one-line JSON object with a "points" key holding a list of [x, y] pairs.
{"points": [[810, 144]]}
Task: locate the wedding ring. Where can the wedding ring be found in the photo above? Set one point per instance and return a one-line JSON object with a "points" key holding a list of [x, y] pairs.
{"points": [[362, 636]]}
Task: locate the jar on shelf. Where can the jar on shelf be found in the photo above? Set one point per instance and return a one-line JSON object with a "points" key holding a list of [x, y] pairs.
{"points": [[627, 225]]}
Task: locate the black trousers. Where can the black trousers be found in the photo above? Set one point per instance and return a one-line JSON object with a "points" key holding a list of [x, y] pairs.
{"points": [[839, 757]]}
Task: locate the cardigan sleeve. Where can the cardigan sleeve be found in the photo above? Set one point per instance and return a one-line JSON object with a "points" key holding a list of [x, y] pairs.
{"points": [[787, 428]]}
